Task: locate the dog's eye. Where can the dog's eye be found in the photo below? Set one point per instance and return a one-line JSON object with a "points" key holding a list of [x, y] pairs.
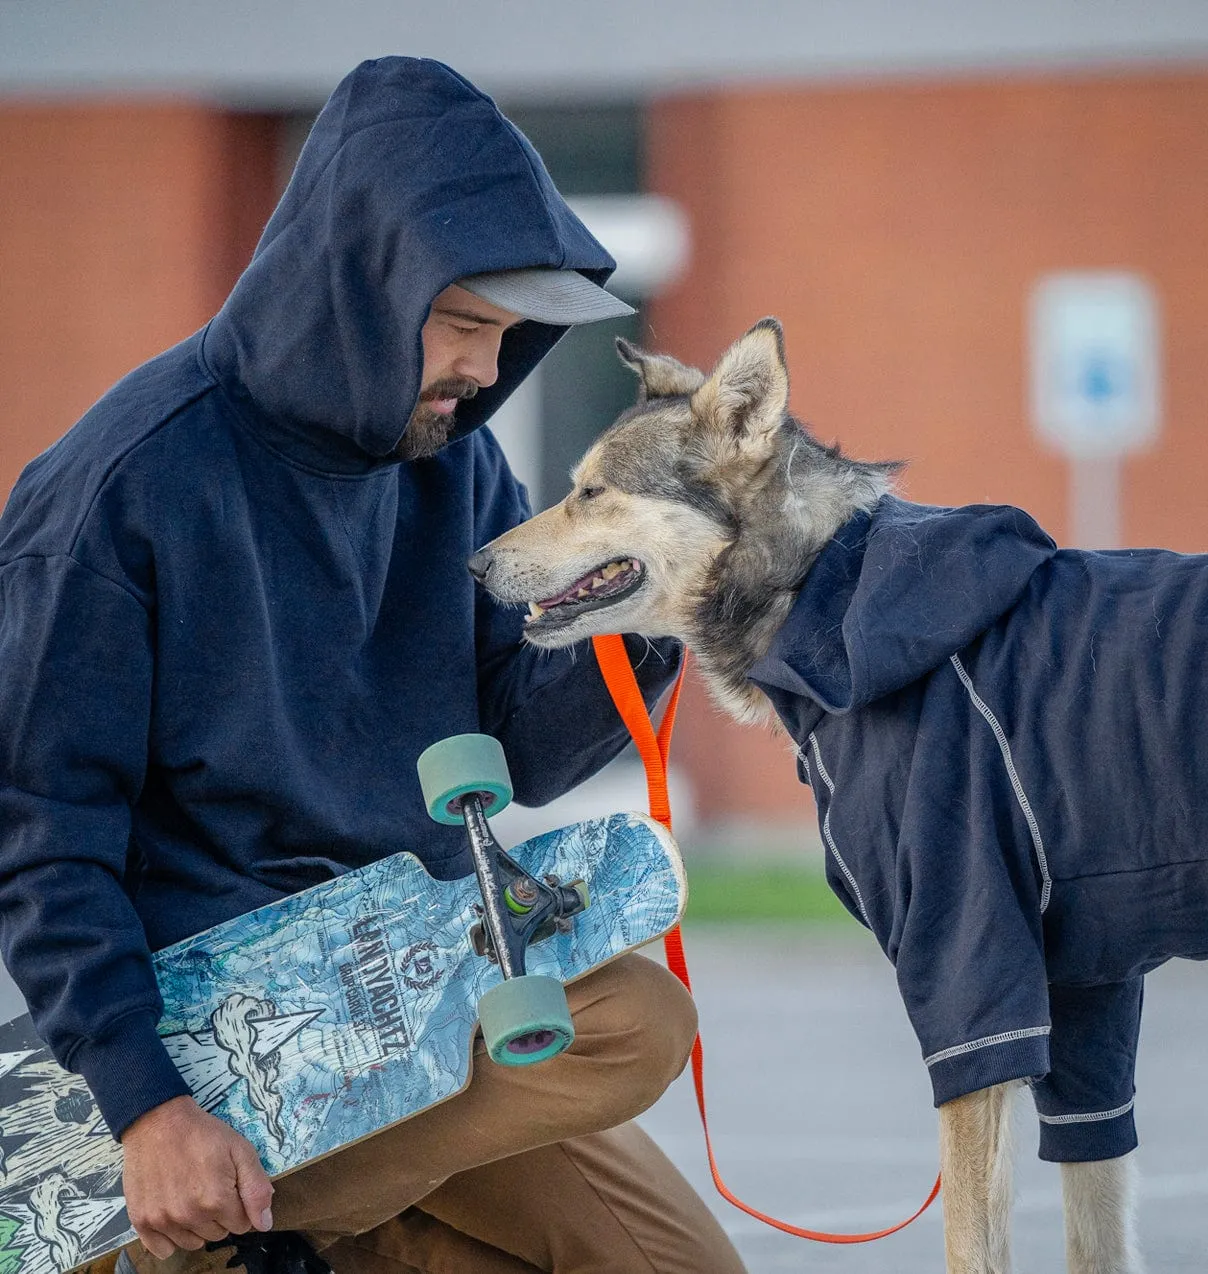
{"points": [[590, 493]]}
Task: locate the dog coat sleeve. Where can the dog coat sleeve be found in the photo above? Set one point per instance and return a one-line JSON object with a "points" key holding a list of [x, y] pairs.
{"points": [[1085, 1102], [939, 863]]}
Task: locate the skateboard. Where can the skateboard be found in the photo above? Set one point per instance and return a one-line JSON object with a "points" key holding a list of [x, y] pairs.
{"points": [[324, 1018]]}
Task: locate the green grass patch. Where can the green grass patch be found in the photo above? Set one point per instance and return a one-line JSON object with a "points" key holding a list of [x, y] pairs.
{"points": [[719, 893]]}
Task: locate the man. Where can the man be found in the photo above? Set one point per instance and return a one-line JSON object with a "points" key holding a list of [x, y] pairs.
{"points": [[233, 610]]}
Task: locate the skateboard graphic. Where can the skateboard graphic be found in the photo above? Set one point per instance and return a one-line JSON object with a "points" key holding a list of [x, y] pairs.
{"points": [[324, 1018]]}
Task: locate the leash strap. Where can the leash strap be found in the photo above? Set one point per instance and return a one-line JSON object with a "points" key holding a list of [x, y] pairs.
{"points": [[653, 748]]}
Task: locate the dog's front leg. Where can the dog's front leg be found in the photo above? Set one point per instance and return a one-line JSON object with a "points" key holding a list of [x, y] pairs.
{"points": [[1100, 1227], [975, 1157]]}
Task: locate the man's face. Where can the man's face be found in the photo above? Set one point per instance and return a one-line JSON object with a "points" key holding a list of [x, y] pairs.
{"points": [[461, 356]]}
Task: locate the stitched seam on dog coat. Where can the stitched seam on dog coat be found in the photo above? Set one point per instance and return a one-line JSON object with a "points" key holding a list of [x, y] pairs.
{"points": [[826, 831], [1093, 1117], [1021, 796], [988, 1041]]}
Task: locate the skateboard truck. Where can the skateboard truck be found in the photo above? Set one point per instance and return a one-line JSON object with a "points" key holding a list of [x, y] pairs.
{"points": [[532, 915], [525, 1018], [532, 910]]}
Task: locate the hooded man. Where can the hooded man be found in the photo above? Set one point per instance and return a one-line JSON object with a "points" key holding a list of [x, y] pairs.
{"points": [[234, 608]]}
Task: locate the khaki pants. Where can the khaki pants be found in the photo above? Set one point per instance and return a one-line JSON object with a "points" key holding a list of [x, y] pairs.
{"points": [[530, 1168]]}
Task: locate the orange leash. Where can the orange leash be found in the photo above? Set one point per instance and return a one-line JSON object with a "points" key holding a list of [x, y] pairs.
{"points": [[653, 749]]}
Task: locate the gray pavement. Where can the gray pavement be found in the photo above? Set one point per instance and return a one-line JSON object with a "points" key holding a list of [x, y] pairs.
{"points": [[821, 1115]]}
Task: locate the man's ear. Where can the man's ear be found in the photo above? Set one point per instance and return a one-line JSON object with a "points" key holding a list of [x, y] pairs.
{"points": [[745, 398], [661, 375]]}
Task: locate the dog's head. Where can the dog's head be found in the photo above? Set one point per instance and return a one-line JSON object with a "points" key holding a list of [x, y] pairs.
{"points": [[655, 501]]}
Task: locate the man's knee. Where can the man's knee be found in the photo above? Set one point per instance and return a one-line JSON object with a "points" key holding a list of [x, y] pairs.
{"points": [[665, 1014], [637, 1019]]}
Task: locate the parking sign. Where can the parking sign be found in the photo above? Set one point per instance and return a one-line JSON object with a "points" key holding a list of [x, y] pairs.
{"points": [[1095, 381]]}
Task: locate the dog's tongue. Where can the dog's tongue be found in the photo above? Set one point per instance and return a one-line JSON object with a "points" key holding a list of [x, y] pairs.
{"points": [[615, 575], [568, 595]]}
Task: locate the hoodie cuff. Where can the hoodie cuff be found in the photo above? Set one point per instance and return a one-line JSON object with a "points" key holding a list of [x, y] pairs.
{"points": [[129, 1071], [995, 1060], [1082, 1138]]}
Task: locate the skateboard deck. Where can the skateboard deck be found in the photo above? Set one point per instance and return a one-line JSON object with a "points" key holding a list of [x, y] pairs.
{"points": [[313, 1023]]}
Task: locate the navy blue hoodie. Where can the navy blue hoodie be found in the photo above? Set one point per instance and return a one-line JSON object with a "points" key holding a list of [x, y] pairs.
{"points": [[1007, 747], [230, 620]]}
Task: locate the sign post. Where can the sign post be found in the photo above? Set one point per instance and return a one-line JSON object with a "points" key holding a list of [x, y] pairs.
{"points": [[1095, 386]]}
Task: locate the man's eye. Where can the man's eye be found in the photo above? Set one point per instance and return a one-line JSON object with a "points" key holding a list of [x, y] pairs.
{"points": [[465, 331]]}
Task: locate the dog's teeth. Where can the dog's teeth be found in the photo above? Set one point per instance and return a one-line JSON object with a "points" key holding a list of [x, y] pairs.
{"points": [[612, 569], [535, 611], [583, 592]]}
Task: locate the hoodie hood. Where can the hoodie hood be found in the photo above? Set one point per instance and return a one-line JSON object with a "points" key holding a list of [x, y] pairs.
{"points": [[410, 180], [894, 594]]}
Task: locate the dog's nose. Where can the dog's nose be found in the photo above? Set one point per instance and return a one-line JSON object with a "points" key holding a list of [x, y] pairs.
{"points": [[480, 564]]}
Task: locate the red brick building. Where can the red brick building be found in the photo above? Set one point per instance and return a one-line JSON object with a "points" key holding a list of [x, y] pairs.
{"points": [[895, 225]]}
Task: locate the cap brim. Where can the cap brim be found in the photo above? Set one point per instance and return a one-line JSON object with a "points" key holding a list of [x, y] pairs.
{"points": [[562, 297]]}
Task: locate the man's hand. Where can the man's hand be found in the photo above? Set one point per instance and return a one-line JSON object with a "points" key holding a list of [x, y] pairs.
{"points": [[190, 1179]]}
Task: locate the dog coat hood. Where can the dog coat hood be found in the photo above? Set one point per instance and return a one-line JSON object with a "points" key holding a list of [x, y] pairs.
{"points": [[410, 180], [894, 594], [1006, 747]]}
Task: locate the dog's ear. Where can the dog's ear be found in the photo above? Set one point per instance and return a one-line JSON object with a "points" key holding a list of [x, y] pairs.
{"points": [[661, 375], [744, 400]]}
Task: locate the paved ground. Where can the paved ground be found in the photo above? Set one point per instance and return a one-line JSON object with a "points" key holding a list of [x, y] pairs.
{"points": [[821, 1115]]}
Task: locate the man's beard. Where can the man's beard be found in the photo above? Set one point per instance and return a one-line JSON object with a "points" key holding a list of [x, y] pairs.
{"points": [[428, 430]]}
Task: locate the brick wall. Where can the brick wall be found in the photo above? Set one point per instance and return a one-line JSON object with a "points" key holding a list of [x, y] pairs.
{"points": [[896, 231], [122, 227]]}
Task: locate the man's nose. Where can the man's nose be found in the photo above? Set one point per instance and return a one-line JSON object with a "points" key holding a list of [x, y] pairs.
{"points": [[481, 364], [480, 564]]}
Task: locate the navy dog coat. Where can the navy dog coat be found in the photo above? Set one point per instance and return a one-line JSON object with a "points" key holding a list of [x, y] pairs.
{"points": [[1003, 740]]}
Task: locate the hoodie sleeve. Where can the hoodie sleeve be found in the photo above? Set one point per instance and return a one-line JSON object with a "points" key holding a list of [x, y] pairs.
{"points": [[550, 709], [75, 695]]}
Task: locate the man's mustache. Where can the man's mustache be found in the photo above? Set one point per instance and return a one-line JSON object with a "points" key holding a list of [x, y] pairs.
{"points": [[450, 388]]}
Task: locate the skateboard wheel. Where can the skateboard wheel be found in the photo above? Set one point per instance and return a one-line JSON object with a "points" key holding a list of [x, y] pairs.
{"points": [[458, 766], [525, 1020]]}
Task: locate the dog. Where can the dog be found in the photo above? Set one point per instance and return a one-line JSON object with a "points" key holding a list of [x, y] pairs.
{"points": [[1000, 737]]}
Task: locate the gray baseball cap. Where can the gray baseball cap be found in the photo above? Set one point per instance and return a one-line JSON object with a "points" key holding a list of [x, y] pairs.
{"points": [[547, 295]]}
